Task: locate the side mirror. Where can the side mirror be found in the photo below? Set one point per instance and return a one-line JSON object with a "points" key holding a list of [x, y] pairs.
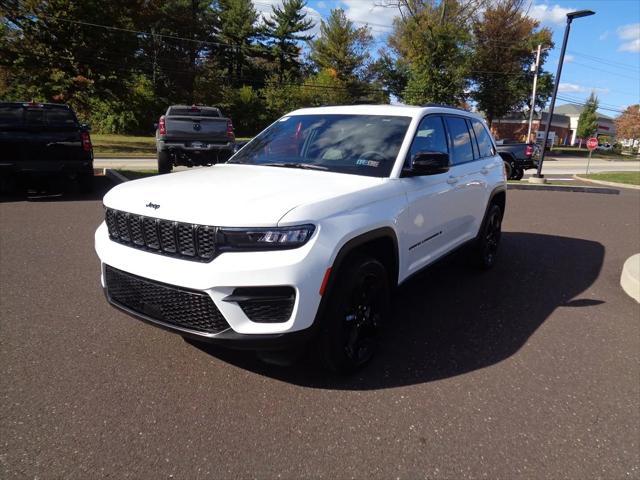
{"points": [[85, 126], [429, 163]]}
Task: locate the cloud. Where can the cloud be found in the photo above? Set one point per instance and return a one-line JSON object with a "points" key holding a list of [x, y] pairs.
{"points": [[604, 35], [569, 58], [263, 7], [549, 14], [379, 19], [574, 88], [630, 36], [321, 4]]}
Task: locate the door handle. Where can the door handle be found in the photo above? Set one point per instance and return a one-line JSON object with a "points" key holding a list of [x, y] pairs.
{"points": [[452, 180]]}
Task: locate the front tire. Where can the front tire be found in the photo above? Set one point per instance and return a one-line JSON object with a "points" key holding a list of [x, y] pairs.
{"points": [[488, 241], [165, 165], [358, 307], [508, 170]]}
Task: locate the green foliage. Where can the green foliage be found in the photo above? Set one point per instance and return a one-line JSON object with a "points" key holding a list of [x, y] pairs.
{"points": [[341, 47], [432, 40], [238, 29], [588, 119], [500, 74], [285, 29], [246, 107]]}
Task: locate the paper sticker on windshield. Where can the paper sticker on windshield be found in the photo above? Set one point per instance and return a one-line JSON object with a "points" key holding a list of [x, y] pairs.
{"points": [[368, 163]]}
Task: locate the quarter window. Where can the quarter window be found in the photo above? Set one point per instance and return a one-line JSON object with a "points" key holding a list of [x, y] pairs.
{"points": [[460, 139], [484, 139]]}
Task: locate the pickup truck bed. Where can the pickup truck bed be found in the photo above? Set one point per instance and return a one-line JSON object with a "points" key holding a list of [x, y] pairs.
{"points": [[40, 138]]}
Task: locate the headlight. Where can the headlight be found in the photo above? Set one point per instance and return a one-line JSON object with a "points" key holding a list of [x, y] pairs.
{"points": [[264, 238]]}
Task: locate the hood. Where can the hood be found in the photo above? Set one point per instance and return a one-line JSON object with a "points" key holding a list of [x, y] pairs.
{"points": [[232, 195]]}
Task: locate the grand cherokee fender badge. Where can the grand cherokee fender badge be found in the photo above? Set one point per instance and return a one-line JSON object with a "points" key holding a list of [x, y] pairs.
{"points": [[155, 206]]}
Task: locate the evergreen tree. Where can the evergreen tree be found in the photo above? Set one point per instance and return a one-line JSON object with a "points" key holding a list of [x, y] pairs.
{"points": [[341, 47], [238, 29], [588, 119], [286, 28]]}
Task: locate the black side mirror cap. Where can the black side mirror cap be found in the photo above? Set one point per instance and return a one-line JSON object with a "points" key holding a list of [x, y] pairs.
{"points": [[428, 163], [85, 126]]}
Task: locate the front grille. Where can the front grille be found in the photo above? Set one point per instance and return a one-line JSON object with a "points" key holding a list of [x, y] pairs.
{"points": [[169, 304], [176, 239], [266, 304]]}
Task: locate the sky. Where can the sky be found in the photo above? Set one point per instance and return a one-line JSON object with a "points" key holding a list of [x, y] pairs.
{"points": [[603, 52]]}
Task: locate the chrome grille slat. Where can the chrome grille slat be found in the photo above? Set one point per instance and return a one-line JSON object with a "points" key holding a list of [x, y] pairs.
{"points": [[182, 240]]}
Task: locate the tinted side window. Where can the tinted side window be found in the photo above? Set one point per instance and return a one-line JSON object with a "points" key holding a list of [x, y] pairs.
{"points": [[430, 137], [34, 116], [60, 116], [460, 139], [484, 139], [474, 143], [10, 116]]}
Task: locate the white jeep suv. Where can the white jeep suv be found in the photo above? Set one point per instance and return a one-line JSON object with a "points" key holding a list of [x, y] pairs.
{"points": [[305, 232]]}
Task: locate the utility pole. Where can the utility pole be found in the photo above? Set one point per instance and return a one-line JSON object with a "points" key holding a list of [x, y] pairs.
{"points": [[533, 94]]}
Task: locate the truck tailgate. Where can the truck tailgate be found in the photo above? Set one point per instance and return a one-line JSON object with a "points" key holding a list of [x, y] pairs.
{"points": [[201, 129]]}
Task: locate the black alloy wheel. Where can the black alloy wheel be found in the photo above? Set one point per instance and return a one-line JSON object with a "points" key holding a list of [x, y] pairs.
{"points": [[489, 240], [359, 305]]}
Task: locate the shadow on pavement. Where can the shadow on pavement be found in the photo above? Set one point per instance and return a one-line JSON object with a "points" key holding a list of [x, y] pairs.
{"points": [[53, 189], [451, 319]]}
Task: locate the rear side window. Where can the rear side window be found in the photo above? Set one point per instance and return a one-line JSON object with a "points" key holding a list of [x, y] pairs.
{"points": [[10, 115], [484, 139], [460, 139], [60, 116], [34, 116], [194, 112]]}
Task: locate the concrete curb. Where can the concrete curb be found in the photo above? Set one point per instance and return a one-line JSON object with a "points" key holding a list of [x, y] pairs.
{"points": [[609, 184], [630, 277], [562, 188], [115, 176]]}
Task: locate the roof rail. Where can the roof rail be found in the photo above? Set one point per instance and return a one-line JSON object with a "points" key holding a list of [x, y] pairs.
{"points": [[442, 105]]}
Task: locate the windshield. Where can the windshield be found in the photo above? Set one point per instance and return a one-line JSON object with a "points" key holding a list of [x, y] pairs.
{"points": [[357, 144]]}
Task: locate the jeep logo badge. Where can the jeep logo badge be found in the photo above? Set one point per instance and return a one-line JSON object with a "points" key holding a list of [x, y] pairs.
{"points": [[155, 206]]}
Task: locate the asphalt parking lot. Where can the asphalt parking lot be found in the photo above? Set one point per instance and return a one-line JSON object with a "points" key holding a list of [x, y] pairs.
{"points": [[530, 370]]}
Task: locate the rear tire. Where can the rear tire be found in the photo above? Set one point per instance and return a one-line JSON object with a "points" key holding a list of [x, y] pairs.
{"points": [[165, 165], [358, 306], [518, 174], [486, 246]]}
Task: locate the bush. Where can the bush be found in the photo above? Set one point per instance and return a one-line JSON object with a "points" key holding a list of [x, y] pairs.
{"points": [[617, 148]]}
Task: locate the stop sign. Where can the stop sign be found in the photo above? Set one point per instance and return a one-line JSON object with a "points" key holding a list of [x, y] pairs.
{"points": [[592, 143]]}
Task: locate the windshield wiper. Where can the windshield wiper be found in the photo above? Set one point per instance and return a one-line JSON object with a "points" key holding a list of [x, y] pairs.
{"points": [[305, 166]]}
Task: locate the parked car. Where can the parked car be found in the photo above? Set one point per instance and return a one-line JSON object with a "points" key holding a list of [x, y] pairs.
{"points": [[193, 135], [44, 139], [604, 147], [518, 157], [305, 233]]}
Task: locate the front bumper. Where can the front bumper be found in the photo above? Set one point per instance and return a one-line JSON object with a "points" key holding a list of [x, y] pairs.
{"points": [[301, 269]]}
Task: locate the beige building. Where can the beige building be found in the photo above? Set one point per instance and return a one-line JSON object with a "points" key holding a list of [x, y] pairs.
{"points": [[606, 125]]}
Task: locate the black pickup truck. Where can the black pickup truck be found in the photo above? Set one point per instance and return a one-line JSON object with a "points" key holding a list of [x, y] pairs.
{"points": [[43, 139], [193, 135], [518, 157]]}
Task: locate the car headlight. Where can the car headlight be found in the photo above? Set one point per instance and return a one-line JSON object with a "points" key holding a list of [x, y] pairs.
{"points": [[264, 238]]}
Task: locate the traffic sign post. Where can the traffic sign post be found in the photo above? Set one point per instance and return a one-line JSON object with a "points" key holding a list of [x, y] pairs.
{"points": [[592, 144]]}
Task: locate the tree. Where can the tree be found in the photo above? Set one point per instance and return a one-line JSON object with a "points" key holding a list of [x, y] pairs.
{"points": [[432, 39], [628, 124], [238, 30], [499, 70], [285, 29], [341, 47], [588, 119]]}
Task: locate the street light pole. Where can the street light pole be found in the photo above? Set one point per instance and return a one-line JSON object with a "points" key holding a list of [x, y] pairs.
{"points": [[570, 17], [533, 94]]}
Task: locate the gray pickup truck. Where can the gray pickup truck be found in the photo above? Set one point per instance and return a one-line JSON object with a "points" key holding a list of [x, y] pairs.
{"points": [[518, 157], [193, 135]]}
